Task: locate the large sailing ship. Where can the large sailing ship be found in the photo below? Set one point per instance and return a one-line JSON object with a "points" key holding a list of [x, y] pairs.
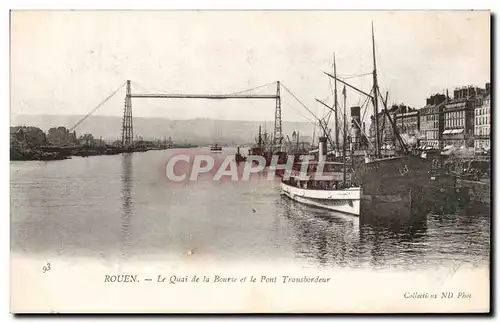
{"points": [[264, 148], [263, 143], [397, 185], [394, 187]]}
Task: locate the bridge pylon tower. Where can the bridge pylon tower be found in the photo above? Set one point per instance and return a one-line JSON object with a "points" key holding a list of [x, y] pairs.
{"points": [[127, 126], [278, 134]]}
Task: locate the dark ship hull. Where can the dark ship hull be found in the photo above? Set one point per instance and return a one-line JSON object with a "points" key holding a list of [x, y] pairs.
{"points": [[391, 176], [403, 188], [478, 194]]}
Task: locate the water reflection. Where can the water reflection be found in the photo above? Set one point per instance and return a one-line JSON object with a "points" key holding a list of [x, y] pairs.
{"points": [[399, 246], [127, 204], [328, 238], [322, 236]]}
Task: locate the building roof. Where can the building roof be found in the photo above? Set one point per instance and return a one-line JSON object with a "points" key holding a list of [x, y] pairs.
{"points": [[430, 106], [315, 162], [452, 131]]}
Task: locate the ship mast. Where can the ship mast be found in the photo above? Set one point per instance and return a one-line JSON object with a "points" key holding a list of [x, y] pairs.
{"points": [[345, 135], [314, 133], [375, 98], [335, 100]]}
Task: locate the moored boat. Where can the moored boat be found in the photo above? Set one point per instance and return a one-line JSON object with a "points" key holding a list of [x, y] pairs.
{"points": [[323, 184], [215, 148], [238, 157], [344, 200], [394, 186], [327, 184]]}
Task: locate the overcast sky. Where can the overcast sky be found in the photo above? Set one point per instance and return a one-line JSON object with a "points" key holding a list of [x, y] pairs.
{"points": [[67, 62]]}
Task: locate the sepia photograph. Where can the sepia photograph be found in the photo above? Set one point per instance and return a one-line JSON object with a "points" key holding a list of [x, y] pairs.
{"points": [[253, 161]]}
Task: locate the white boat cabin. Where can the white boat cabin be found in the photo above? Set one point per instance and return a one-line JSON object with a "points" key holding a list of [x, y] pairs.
{"points": [[314, 176]]}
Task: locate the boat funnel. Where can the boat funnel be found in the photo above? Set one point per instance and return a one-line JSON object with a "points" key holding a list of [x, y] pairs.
{"points": [[355, 127], [322, 149], [355, 111]]}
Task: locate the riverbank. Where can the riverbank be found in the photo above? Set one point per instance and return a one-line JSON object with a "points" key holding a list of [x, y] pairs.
{"points": [[35, 154], [60, 153]]}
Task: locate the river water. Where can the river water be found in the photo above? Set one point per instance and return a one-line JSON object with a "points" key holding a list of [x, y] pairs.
{"points": [[122, 207]]}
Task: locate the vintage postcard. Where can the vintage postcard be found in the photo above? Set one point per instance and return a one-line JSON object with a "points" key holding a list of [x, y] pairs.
{"points": [[250, 161]]}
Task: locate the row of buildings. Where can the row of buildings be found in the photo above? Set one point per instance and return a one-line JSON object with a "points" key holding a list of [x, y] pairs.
{"points": [[32, 137], [463, 120]]}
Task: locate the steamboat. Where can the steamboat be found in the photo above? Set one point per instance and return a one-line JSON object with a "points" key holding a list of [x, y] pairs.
{"points": [[215, 148], [328, 184], [323, 184]]}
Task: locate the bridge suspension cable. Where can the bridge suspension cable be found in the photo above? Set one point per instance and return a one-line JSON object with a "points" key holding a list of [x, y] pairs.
{"points": [[253, 89], [303, 115], [309, 110], [235, 95], [203, 96], [97, 107]]}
